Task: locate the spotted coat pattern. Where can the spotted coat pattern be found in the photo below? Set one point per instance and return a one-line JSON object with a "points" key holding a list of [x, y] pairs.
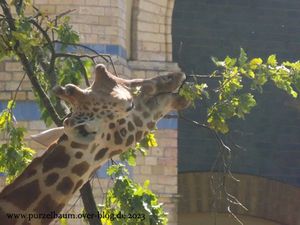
{"points": [[106, 119]]}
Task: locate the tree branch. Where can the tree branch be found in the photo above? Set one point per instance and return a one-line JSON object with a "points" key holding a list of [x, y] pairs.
{"points": [[93, 51], [29, 70]]}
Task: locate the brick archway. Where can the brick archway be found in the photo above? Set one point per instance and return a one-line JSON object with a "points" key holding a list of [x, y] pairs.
{"points": [[151, 38], [265, 199]]}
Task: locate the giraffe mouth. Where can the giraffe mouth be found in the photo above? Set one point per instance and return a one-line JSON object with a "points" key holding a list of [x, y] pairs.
{"points": [[183, 81]]}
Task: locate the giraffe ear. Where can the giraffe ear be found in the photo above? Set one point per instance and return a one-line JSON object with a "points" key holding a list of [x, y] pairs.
{"points": [[104, 80], [47, 137]]}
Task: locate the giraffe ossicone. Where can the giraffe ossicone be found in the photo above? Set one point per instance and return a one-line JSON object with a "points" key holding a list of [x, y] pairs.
{"points": [[107, 118]]}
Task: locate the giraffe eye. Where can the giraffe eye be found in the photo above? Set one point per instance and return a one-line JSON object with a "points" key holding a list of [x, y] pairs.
{"points": [[131, 107], [69, 90], [167, 78]]}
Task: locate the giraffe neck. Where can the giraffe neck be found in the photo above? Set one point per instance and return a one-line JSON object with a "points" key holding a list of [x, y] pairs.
{"points": [[48, 183]]}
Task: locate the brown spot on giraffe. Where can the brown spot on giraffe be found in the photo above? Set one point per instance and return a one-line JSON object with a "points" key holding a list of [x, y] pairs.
{"points": [[57, 158], [118, 138], [5, 220], [121, 121], [130, 140], [111, 126], [78, 145], [108, 136], [137, 121], [62, 138], [123, 132], [47, 205], [100, 154], [130, 126], [51, 179], [78, 185], [25, 195], [78, 155], [80, 168], [95, 109], [116, 152], [65, 185], [138, 135], [151, 125]]}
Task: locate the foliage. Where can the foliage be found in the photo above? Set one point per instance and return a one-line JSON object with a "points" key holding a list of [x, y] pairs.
{"points": [[194, 91], [240, 79], [130, 203], [14, 155], [130, 155]]}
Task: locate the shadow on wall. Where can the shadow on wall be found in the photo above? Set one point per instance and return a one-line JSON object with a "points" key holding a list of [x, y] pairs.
{"points": [[266, 199], [220, 219]]}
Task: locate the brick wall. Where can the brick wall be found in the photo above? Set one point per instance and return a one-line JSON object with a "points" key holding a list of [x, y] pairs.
{"points": [[151, 30]]}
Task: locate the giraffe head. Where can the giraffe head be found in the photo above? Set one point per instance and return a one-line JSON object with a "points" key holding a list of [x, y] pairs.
{"points": [[111, 98], [108, 98]]}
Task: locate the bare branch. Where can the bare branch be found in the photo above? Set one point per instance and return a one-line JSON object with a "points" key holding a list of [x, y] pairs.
{"points": [[18, 88], [85, 76], [234, 216], [57, 17], [205, 76], [85, 47]]}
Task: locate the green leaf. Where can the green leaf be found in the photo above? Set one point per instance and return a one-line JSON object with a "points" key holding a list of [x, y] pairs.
{"points": [[217, 62], [146, 183], [251, 74], [242, 58], [63, 221], [193, 91], [151, 141], [254, 63], [272, 61], [230, 62]]}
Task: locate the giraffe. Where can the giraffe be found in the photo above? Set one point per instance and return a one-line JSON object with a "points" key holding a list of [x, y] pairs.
{"points": [[107, 118]]}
